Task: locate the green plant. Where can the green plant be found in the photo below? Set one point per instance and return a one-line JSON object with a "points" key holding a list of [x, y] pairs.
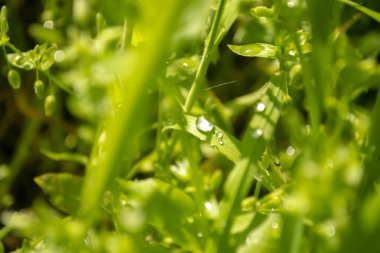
{"points": [[179, 158]]}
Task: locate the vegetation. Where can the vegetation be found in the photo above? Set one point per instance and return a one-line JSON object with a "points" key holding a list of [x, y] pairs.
{"points": [[190, 126]]}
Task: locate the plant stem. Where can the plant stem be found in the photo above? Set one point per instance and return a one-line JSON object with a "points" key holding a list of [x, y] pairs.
{"points": [[205, 61]]}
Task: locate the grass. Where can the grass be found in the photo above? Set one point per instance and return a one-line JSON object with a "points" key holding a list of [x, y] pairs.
{"points": [[191, 126]]}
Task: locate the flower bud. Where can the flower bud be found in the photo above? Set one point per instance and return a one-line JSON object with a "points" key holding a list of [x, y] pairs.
{"points": [[14, 79], [39, 89], [49, 105]]}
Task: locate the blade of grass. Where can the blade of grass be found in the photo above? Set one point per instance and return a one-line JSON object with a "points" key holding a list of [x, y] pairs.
{"points": [[259, 132], [373, 14], [122, 129], [205, 60]]}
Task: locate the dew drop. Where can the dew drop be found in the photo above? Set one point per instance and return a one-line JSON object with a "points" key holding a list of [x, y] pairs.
{"points": [[260, 107], [185, 65], [257, 133], [200, 234], [277, 161], [290, 151], [247, 51], [214, 147], [275, 225], [219, 135], [220, 142], [204, 125], [49, 24]]}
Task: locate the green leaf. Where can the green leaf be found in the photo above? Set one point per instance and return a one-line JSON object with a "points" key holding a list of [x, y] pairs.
{"points": [[63, 190], [218, 138], [63, 156], [262, 50], [373, 14], [166, 208]]}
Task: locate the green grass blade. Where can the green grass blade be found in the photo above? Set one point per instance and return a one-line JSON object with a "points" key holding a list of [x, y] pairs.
{"points": [[63, 156], [373, 14], [260, 131], [129, 119]]}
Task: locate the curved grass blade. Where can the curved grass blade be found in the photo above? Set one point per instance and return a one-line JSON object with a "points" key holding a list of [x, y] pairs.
{"points": [[73, 157], [373, 14]]}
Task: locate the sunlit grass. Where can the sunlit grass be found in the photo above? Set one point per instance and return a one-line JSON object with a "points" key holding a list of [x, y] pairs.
{"points": [[135, 108]]}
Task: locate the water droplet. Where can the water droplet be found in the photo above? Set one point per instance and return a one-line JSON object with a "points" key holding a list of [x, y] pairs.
{"points": [[247, 51], [290, 151], [220, 142], [277, 161], [200, 234], [49, 24], [292, 53], [275, 225], [260, 107], [204, 125], [257, 133], [59, 56], [214, 147], [219, 135], [185, 65]]}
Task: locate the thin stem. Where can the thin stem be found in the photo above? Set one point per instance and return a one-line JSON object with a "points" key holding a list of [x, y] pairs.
{"points": [[126, 38], [11, 46], [205, 61], [257, 190]]}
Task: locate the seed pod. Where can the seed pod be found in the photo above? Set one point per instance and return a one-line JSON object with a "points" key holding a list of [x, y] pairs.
{"points": [[39, 89], [14, 79], [49, 105], [4, 25]]}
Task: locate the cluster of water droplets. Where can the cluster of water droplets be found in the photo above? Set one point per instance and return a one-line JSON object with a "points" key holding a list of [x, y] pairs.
{"points": [[205, 126], [219, 136]]}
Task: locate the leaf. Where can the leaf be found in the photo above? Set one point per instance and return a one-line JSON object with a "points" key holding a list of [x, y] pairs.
{"points": [[373, 14], [82, 159], [166, 208], [63, 190], [262, 50], [219, 139]]}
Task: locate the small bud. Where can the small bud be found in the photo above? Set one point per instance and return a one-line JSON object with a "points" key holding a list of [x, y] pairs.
{"points": [[14, 79], [39, 89], [4, 25], [3, 12], [49, 105]]}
